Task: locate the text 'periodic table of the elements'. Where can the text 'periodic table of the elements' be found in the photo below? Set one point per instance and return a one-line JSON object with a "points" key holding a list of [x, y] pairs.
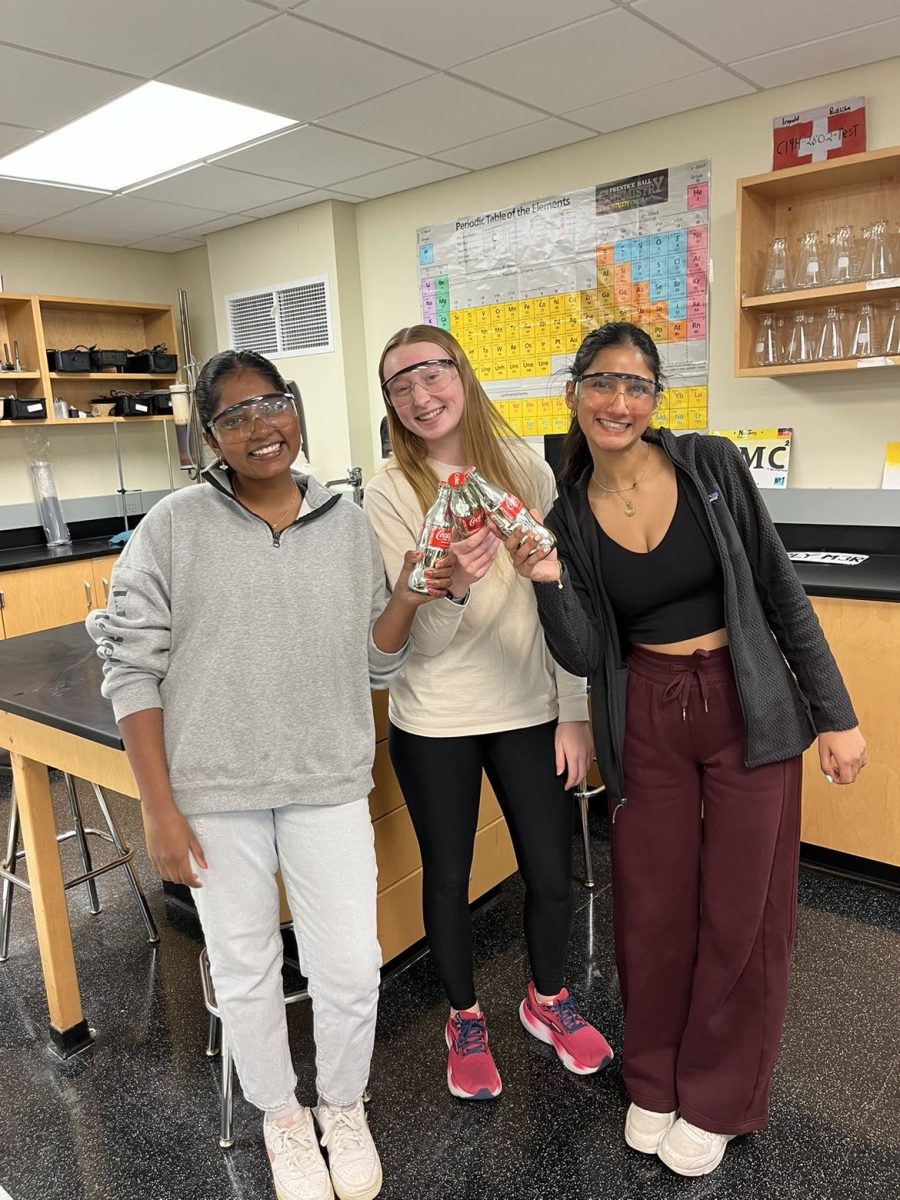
{"points": [[519, 288]]}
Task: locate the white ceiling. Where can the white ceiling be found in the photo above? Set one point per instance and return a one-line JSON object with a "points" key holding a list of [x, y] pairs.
{"points": [[393, 93]]}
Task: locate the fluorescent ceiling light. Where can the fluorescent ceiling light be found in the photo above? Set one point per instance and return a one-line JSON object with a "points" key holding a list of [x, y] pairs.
{"points": [[155, 130]]}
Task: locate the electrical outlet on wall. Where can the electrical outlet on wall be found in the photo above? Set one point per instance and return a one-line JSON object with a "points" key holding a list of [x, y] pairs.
{"points": [[134, 505]]}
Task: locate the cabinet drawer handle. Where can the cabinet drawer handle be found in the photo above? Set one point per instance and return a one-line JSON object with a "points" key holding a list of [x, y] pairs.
{"points": [[106, 589], [88, 596]]}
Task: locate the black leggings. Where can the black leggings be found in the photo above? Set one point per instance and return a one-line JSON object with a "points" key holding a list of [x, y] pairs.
{"points": [[441, 783]]}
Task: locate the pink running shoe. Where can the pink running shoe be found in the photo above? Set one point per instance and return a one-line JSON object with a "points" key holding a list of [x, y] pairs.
{"points": [[581, 1048], [471, 1070]]}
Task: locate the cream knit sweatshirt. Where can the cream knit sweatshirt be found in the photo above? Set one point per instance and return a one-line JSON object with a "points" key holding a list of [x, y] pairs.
{"points": [[482, 666]]}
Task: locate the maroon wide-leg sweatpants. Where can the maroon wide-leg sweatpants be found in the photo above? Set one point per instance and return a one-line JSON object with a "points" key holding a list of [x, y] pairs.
{"points": [[704, 859]]}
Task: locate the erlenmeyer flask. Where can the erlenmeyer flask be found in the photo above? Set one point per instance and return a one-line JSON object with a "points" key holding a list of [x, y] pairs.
{"points": [[877, 261], [810, 271], [766, 351], [892, 335], [800, 345], [864, 337], [843, 263], [776, 278], [831, 337]]}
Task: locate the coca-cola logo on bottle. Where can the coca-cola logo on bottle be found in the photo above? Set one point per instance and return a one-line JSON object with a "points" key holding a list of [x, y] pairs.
{"points": [[511, 506], [440, 537]]}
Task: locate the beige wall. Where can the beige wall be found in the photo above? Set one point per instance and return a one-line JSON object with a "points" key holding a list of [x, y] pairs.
{"points": [[825, 410], [282, 249]]}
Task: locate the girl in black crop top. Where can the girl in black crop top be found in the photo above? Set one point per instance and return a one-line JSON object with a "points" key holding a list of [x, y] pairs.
{"points": [[666, 558]]}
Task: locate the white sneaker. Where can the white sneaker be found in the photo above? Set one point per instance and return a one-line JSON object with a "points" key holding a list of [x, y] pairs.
{"points": [[688, 1150], [298, 1167], [352, 1158], [644, 1129]]}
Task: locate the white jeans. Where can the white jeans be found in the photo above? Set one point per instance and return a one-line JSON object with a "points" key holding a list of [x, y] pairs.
{"points": [[327, 858]]}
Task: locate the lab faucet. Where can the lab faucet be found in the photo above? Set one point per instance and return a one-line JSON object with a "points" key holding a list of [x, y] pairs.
{"points": [[353, 479]]}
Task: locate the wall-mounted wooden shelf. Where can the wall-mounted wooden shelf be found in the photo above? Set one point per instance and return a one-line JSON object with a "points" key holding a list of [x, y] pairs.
{"points": [[855, 190]]}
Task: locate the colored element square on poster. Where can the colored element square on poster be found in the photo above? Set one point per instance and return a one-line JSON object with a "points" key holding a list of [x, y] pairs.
{"points": [[891, 477], [819, 134]]}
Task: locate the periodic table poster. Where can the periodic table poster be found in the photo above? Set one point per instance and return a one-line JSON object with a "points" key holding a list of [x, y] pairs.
{"points": [[519, 287]]}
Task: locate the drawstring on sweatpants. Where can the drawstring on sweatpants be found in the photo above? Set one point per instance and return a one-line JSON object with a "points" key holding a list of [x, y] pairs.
{"points": [[680, 687]]}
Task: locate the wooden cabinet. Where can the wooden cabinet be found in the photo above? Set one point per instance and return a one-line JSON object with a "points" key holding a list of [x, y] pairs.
{"points": [[855, 190], [62, 322], [100, 572], [43, 597], [863, 819]]}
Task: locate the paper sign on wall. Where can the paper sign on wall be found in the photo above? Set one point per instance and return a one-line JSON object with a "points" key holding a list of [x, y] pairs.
{"points": [[819, 134], [767, 452], [891, 477]]}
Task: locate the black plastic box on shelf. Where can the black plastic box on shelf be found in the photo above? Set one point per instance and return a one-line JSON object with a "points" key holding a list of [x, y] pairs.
{"points": [[135, 404], [102, 360], [155, 361], [76, 359], [16, 408]]}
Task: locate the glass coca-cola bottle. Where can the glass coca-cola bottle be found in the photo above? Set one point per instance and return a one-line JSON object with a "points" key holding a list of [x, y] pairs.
{"points": [[509, 514], [434, 540], [466, 507]]}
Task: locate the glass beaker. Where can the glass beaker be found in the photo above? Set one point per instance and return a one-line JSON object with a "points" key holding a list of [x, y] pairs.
{"points": [[809, 272], [830, 346], [776, 277], [877, 261], [801, 346], [843, 263], [767, 349], [892, 334]]}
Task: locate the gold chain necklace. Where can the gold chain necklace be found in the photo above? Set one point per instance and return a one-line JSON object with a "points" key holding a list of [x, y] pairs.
{"points": [[273, 525], [629, 507]]}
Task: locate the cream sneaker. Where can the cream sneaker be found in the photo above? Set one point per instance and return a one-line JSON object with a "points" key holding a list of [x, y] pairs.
{"points": [[352, 1158], [644, 1129], [298, 1167], [688, 1150]]}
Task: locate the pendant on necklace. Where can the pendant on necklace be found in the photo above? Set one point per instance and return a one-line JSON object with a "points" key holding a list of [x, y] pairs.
{"points": [[629, 509]]}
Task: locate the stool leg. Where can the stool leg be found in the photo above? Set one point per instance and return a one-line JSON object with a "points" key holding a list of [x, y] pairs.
{"points": [[586, 837], [119, 843], [226, 1133], [9, 864], [212, 1037], [78, 826]]}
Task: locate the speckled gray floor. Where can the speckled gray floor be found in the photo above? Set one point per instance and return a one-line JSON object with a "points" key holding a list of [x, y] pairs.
{"points": [[135, 1117]]}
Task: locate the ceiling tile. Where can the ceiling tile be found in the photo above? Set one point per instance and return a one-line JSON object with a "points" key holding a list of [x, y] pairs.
{"points": [[302, 200], [586, 63], [732, 31], [399, 179], [870, 44], [215, 187], [679, 95], [313, 156], [45, 92], [13, 224], [34, 200], [431, 114], [13, 136], [517, 143], [166, 244], [153, 37], [138, 219], [295, 69], [399, 24], [220, 223], [63, 230]]}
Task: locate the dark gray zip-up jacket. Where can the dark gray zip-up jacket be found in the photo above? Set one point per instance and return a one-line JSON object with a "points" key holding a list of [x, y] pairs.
{"points": [[788, 682]]}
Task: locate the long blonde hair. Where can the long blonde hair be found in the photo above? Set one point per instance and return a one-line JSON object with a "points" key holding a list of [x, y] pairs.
{"points": [[487, 437]]}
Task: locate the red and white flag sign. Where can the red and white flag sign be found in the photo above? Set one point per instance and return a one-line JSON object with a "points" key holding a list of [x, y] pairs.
{"points": [[819, 134]]}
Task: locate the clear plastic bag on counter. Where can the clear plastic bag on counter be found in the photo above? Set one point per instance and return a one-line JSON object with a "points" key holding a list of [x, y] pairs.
{"points": [[37, 452]]}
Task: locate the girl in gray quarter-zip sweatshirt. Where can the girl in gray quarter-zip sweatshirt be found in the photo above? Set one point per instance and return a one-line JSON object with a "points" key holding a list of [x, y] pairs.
{"points": [[247, 620]]}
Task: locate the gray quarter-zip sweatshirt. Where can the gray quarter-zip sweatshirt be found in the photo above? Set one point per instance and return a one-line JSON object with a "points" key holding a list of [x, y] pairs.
{"points": [[257, 647]]}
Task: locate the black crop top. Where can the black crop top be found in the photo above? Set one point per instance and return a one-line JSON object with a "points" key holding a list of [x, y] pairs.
{"points": [[668, 594]]}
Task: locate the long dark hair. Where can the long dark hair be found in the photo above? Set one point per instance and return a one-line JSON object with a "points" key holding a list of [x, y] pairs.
{"points": [[576, 454], [221, 367]]}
